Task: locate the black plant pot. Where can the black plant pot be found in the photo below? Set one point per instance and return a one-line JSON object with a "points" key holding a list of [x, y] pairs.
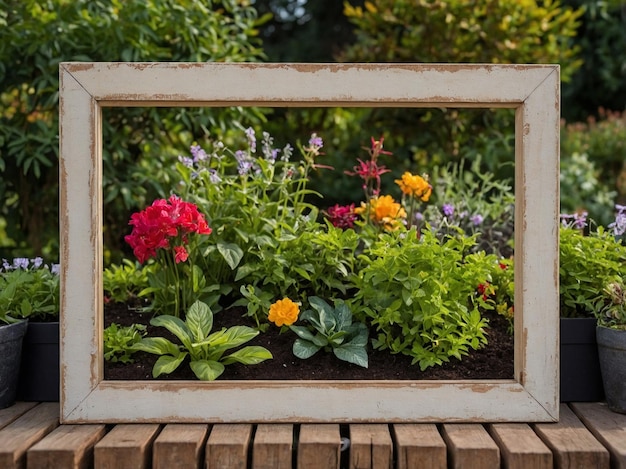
{"points": [[11, 337], [39, 375], [612, 350], [581, 379]]}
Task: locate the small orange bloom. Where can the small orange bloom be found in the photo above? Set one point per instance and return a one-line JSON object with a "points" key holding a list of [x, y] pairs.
{"points": [[384, 211], [415, 186], [284, 312]]}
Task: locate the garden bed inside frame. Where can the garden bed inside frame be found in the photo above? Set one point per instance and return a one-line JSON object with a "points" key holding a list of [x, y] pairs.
{"points": [[532, 90]]}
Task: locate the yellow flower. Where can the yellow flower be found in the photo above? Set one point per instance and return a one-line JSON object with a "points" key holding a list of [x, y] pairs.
{"points": [[284, 312], [384, 211], [415, 186]]}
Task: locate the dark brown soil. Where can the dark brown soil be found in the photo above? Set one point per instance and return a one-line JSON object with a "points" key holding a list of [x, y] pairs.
{"points": [[495, 361]]}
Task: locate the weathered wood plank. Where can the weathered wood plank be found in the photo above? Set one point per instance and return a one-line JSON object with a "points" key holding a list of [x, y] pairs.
{"points": [[126, 446], [608, 427], [227, 446], [571, 443], [470, 446], [370, 447], [67, 447], [273, 447], [10, 414], [180, 446], [419, 446], [520, 447], [319, 445], [17, 437]]}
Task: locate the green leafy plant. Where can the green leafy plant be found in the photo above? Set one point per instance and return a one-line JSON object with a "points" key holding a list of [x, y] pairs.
{"points": [[29, 289], [611, 305], [119, 341], [205, 349], [124, 281], [418, 294], [588, 263], [331, 328]]}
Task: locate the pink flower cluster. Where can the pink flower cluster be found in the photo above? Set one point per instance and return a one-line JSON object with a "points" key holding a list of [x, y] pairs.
{"points": [[165, 224], [342, 216]]}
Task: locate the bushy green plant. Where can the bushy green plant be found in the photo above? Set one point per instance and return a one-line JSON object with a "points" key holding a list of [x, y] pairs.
{"points": [[36, 36], [122, 282], [417, 293], [29, 289], [603, 140], [582, 190], [205, 349], [254, 199], [473, 200], [611, 305], [331, 328], [588, 263], [119, 342]]}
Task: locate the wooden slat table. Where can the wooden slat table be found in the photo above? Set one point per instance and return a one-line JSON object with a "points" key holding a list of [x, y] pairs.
{"points": [[588, 435]]}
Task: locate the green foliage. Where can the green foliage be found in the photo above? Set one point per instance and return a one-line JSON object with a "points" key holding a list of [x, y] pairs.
{"points": [[29, 290], [36, 36], [317, 262], [124, 281], [252, 201], [588, 263], [466, 197], [205, 349], [601, 81], [603, 140], [119, 342], [417, 292], [611, 305], [331, 328], [582, 191], [508, 31]]}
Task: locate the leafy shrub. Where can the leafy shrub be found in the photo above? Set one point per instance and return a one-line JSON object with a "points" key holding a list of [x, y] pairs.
{"points": [[119, 342], [29, 289], [122, 282], [603, 140], [581, 189], [36, 36], [417, 294], [588, 263]]}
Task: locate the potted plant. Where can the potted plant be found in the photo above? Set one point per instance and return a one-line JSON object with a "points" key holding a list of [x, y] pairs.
{"points": [[12, 332], [30, 291], [610, 312]]}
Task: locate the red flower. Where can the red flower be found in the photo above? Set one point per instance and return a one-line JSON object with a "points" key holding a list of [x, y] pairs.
{"points": [[163, 224], [342, 216]]}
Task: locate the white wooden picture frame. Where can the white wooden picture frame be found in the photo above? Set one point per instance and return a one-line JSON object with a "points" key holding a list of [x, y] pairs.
{"points": [[532, 90]]}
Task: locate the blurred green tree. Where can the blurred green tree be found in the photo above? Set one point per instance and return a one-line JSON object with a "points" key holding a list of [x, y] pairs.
{"points": [[35, 36]]}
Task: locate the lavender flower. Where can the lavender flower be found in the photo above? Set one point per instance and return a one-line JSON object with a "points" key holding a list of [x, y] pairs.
{"points": [[21, 263], [477, 219], [287, 152], [185, 160], [198, 153], [619, 225], [448, 210], [251, 139]]}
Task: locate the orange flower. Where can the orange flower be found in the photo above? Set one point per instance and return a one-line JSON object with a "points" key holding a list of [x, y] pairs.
{"points": [[284, 312], [415, 186], [384, 211]]}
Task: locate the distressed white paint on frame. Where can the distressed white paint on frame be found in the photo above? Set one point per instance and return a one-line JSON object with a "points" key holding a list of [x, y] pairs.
{"points": [[533, 90]]}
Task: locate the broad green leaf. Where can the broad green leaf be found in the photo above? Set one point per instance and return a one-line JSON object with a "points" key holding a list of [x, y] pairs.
{"points": [[166, 364], [157, 346], [231, 253], [231, 337], [207, 370], [352, 354], [199, 321], [304, 349], [303, 333], [176, 326], [250, 355]]}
